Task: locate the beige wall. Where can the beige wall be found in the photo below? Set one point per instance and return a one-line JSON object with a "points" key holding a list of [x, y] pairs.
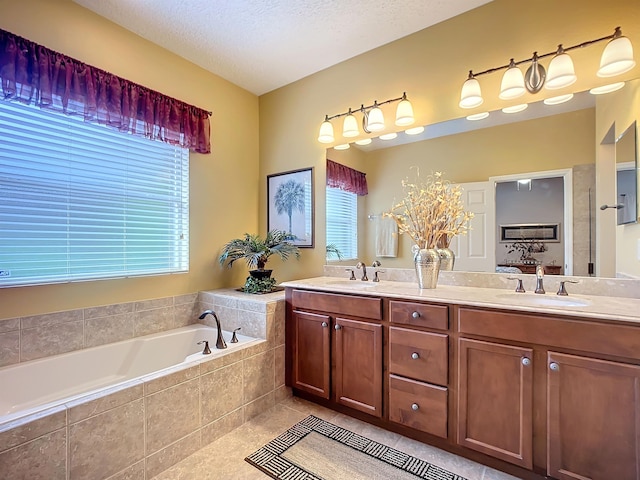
{"points": [[430, 66], [224, 193]]}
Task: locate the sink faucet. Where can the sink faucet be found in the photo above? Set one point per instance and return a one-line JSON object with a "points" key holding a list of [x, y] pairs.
{"points": [[539, 279], [220, 343], [364, 271]]}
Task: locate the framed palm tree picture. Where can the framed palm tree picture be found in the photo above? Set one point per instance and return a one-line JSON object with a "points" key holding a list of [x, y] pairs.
{"points": [[290, 204]]}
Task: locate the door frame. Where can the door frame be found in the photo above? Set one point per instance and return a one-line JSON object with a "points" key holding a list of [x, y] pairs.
{"points": [[567, 223]]}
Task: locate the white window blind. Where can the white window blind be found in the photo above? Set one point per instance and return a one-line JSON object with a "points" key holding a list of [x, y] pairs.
{"points": [[80, 201], [342, 221]]}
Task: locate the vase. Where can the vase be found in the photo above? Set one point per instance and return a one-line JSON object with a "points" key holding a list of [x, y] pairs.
{"points": [[447, 259], [427, 262], [260, 273]]}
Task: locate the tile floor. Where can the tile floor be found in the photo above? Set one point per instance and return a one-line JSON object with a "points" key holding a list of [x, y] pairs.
{"points": [[224, 458]]}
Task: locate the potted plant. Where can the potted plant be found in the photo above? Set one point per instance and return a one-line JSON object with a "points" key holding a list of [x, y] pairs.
{"points": [[256, 252]]}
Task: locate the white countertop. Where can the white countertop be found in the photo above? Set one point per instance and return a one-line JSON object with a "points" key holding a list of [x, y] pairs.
{"points": [[596, 307]]}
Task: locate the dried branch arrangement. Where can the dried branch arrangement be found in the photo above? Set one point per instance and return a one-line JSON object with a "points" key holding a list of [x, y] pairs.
{"points": [[432, 212]]}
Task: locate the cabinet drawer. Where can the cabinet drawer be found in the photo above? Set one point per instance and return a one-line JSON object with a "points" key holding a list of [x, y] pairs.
{"points": [[420, 355], [419, 314], [418, 405], [366, 307]]}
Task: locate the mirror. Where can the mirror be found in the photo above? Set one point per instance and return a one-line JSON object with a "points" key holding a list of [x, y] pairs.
{"points": [[540, 139], [627, 176]]}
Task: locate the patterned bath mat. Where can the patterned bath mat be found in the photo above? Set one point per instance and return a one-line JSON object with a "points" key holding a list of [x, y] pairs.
{"points": [[315, 449]]}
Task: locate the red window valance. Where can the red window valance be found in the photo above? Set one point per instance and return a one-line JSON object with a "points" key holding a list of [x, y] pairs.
{"points": [[33, 74], [346, 178]]}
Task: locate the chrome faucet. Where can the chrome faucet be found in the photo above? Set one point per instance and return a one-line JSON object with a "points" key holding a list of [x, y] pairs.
{"points": [[539, 279], [364, 271], [220, 343]]}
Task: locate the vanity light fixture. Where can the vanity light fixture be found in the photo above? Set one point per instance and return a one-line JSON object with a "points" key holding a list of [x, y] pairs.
{"points": [[612, 87], [558, 100], [344, 146], [617, 58], [372, 119], [364, 141], [478, 116], [414, 130], [515, 108]]}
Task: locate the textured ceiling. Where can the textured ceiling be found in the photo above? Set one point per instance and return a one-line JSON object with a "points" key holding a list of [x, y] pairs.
{"points": [[261, 45]]}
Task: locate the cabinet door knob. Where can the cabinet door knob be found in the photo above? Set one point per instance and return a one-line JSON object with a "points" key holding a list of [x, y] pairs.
{"points": [[415, 314], [415, 355], [337, 327], [325, 324], [415, 406], [554, 366], [526, 361]]}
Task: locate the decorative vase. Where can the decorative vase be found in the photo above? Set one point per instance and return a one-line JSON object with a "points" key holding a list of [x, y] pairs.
{"points": [[427, 261], [447, 259]]}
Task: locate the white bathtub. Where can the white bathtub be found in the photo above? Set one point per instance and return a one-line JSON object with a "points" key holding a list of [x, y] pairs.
{"points": [[38, 385]]}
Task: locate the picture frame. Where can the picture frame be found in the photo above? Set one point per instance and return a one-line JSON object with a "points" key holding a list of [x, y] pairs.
{"points": [[290, 205]]}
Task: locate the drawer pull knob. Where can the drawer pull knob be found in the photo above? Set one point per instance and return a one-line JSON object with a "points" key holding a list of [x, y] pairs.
{"points": [[337, 327], [325, 324], [415, 355], [554, 366], [415, 406], [526, 361], [416, 315]]}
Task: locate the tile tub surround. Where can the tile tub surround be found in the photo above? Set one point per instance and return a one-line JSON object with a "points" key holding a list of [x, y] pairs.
{"points": [[28, 338], [142, 429]]}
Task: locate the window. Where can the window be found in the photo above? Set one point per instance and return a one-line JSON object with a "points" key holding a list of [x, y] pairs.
{"points": [[80, 201], [342, 222]]}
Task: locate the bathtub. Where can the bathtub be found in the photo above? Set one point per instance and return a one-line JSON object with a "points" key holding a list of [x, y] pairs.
{"points": [[38, 385]]}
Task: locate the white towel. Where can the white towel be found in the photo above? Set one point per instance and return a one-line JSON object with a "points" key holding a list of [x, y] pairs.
{"points": [[386, 237]]}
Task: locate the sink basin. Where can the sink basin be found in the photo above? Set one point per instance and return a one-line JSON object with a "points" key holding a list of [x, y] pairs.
{"points": [[543, 300], [351, 284]]}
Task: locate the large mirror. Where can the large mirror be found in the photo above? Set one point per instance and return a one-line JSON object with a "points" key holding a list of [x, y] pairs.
{"points": [[546, 145]]}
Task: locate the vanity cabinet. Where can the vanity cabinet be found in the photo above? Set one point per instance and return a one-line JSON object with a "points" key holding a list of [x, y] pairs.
{"points": [[335, 348], [419, 366], [593, 418], [495, 400]]}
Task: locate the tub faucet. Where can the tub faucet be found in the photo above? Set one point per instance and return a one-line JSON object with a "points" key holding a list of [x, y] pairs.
{"points": [[220, 343], [539, 279]]}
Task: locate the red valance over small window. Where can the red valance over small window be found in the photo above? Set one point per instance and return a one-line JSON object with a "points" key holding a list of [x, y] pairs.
{"points": [[345, 178], [33, 74]]}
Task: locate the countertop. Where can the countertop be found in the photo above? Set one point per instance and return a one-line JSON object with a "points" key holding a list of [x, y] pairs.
{"points": [[618, 309]]}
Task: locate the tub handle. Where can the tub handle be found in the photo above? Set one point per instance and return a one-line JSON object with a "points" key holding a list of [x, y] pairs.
{"points": [[206, 350], [234, 339]]}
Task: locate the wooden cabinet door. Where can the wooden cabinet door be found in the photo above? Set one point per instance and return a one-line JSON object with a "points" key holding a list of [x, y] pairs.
{"points": [[593, 420], [311, 361], [495, 412], [358, 361]]}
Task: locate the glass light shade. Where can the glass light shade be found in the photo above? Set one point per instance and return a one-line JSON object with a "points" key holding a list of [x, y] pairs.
{"points": [[350, 127], [414, 130], [364, 141], [404, 113], [512, 85], [559, 99], [561, 73], [515, 108], [388, 136], [375, 121], [471, 95], [326, 132], [478, 116], [612, 87], [616, 58], [344, 146]]}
